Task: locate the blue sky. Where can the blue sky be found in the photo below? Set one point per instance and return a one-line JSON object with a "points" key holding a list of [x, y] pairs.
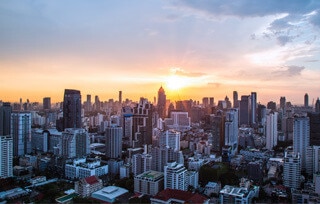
{"points": [[212, 47]]}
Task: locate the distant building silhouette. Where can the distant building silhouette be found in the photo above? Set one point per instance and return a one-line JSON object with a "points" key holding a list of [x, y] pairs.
{"points": [[253, 109], [72, 109], [306, 100], [235, 99], [282, 102], [21, 133], [317, 106], [161, 105], [47, 103], [245, 110], [5, 119]]}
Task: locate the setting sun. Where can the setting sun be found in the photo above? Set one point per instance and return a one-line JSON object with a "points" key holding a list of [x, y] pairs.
{"points": [[175, 82]]}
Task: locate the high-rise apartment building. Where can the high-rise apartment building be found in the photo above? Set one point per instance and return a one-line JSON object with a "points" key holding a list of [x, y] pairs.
{"points": [[245, 110], [142, 123], [271, 130], [306, 100], [253, 109], [21, 132], [5, 119], [113, 141], [120, 97], [72, 109], [317, 106], [301, 138], [291, 169], [149, 182], [6, 155], [127, 125], [282, 102], [231, 130], [171, 139], [75, 142], [161, 105], [314, 128], [141, 163], [175, 176], [235, 99], [47, 103]]}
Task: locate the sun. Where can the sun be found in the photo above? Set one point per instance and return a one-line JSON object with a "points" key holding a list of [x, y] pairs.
{"points": [[175, 82]]}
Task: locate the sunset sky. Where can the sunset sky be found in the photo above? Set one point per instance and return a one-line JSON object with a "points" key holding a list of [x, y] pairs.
{"points": [[194, 49]]}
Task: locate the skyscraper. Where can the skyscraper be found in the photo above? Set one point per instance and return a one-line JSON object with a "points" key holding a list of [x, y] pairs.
{"points": [[175, 176], [161, 105], [142, 123], [317, 106], [235, 99], [271, 130], [301, 137], [113, 141], [292, 170], [282, 102], [171, 139], [253, 109], [231, 130], [75, 142], [127, 122], [72, 109], [47, 103], [306, 100], [5, 119], [245, 110], [120, 97], [6, 155], [21, 132]]}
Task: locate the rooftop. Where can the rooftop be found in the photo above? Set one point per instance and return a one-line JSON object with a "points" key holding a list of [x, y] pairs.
{"points": [[186, 196], [154, 175]]}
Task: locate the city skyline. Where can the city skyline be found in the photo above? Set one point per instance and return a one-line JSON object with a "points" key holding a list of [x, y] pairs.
{"points": [[193, 49]]}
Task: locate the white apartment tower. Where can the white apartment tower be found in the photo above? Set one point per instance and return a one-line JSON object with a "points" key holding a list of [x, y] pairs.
{"points": [[231, 130], [271, 130], [6, 155], [292, 170], [141, 163], [75, 142], [171, 139], [113, 141], [301, 137], [21, 132], [175, 176]]}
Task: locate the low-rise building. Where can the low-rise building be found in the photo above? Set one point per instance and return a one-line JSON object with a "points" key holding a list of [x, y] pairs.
{"points": [[231, 194], [82, 168], [212, 188], [149, 183], [169, 196], [86, 186], [109, 194]]}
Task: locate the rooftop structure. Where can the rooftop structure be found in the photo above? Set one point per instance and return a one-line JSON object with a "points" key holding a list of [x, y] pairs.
{"points": [[109, 194]]}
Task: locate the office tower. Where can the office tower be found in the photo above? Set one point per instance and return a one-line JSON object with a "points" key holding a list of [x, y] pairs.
{"points": [[245, 110], [161, 105], [72, 109], [142, 123], [113, 141], [228, 103], [97, 104], [262, 114], [211, 101], [178, 121], [292, 170], [301, 137], [272, 105], [271, 130], [88, 104], [306, 100], [170, 109], [253, 109], [5, 119], [235, 99], [171, 139], [214, 125], [21, 132], [314, 128], [75, 142], [141, 163], [317, 106], [175, 176], [205, 101], [282, 102], [127, 123], [231, 130], [120, 97], [6, 155], [184, 105], [46, 103]]}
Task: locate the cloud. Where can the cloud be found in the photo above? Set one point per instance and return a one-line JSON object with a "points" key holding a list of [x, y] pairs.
{"points": [[289, 71], [181, 72], [315, 18], [249, 8]]}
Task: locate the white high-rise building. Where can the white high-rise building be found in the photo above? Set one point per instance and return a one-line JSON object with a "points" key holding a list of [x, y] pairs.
{"points": [[301, 137], [141, 163], [171, 139], [175, 176], [114, 141], [21, 132], [75, 142], [179, 121], [6, 155], [292, 169], [231, 130], [271, 130], [316, 159]]}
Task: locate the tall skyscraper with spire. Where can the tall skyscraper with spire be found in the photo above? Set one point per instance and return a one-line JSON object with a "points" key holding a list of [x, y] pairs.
{"points": [[72, 109], [161, 105]]}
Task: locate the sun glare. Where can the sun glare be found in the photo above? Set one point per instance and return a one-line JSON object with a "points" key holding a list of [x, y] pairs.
{"points": [[175, 82]]}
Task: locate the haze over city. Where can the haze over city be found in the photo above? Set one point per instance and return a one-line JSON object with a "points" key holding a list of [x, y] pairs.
{"points": [[191, 48]]}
